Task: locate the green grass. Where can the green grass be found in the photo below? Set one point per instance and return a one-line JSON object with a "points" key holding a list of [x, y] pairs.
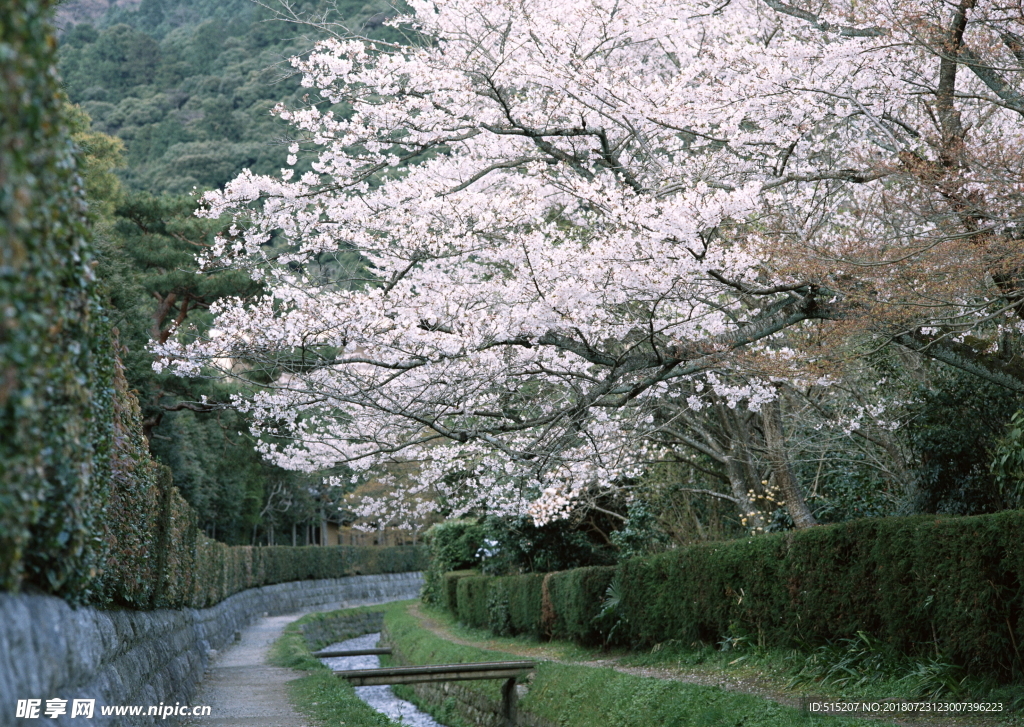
{"points": [[321, 696], [859, 669], [330, 702], [579, 696]]}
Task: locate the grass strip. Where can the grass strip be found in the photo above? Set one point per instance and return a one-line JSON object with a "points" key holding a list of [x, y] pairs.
{"points": [[582, 696], [321, 696]]}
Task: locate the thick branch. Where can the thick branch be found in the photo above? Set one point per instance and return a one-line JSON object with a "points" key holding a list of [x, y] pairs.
{"points": [[959, 355], [824, 25]]}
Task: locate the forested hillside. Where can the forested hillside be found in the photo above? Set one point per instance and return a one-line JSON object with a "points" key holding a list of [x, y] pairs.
{"points": [[172, 98], [189, 86]]}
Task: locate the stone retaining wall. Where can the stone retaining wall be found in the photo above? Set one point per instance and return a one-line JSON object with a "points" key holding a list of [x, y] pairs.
{"points": [[49, 650]]}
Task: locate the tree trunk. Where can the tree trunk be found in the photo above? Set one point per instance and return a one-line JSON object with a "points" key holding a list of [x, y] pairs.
{"points": [[782, 473]]}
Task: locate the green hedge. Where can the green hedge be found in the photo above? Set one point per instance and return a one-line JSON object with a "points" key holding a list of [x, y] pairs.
{"points": [[471, 600], [222, 570], [514, 604], [453, 545], [926, 585], [449, 589], [55, 354], [85, 512], [571, 602]]}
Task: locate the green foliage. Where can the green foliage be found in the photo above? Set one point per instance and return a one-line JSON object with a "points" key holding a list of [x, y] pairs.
{"points": [[955, 427], [449, 589], [56, 363], [582, 696], [148, 272], [222, 570], [564, 605], [471, 600], [514, 605], [642, 534], [516, 545], [452, 545], [133, 518], [935, 590], [189, 85], [572, 602], [920, 585], [862, 663], [1007, 466]]}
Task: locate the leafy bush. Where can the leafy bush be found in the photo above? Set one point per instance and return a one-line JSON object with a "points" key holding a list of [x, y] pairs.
{"points": [[576, 599], [955, 427], [516, 545], [452, 545]]}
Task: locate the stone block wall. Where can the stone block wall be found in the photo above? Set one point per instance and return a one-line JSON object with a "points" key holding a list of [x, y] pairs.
{"points": [[49, 650]]}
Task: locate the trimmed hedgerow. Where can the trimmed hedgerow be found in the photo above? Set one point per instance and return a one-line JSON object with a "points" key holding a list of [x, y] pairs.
{"points": [[471, 600], [132, 520], [449, 589], [513, 604], [85, 513], [55, 353], [453, 545], [576, 597], [524, 602], [221, 570], [924, 585]]}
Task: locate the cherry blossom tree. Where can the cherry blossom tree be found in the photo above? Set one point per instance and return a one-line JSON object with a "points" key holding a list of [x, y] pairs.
{"points": [[571, 213]]}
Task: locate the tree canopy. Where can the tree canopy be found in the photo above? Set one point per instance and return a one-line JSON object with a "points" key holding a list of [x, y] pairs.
{"points": [[584, 222]]}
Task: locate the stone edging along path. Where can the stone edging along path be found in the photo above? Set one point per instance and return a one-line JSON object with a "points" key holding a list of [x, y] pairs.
{"points": [[49, 650]]}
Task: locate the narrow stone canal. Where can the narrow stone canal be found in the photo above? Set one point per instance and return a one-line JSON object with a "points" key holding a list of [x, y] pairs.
{"points": [[380, 698]]}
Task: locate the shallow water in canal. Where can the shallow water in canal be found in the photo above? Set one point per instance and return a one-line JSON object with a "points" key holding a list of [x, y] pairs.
{"points": [[380, 698]]}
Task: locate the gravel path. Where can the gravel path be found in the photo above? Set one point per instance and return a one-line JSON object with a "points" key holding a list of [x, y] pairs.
{"points": [[243, 690]]}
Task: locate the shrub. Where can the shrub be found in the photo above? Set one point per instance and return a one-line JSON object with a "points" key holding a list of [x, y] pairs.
{"points": [[56, 361], [524, 601], [471, 600], [921, 585], [452, 545], [576, 597], [449, 589], [928, 586]]}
